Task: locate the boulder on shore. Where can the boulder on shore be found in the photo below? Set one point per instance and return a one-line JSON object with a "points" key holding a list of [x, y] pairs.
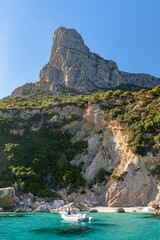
{"points": [[93, 210], [7, 197], [42, 208], [155, 205], [120, 210], [56, 204]]}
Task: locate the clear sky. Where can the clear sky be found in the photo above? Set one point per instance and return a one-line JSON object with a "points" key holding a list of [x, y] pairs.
{"points": [[125, 31]]}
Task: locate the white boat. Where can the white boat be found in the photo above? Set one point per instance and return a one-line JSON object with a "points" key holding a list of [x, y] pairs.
{"points": [[76, 217]]}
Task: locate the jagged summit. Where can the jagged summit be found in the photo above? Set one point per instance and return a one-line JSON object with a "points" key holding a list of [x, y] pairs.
{"points": [[72, 66], [66, 38]]}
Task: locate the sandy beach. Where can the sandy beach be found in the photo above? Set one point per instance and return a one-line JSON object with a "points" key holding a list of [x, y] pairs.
{"points": [[127, 209]]}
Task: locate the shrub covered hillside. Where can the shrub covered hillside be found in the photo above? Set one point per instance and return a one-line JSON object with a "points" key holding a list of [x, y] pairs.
{"points": [[139, 111], [140, 114], [38, 161]]}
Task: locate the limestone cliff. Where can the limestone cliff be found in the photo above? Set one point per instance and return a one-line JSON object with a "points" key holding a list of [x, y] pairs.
{"points": [[72, 66], [131, 183], [127, 180]]}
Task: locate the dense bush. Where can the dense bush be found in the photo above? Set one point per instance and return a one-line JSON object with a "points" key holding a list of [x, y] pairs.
{"points": [[155, 170], [35, 156]]}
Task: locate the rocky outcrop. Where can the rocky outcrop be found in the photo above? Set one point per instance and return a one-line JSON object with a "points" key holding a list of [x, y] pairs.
{"points": [[72, 66], [29, 202], [7, 197]]}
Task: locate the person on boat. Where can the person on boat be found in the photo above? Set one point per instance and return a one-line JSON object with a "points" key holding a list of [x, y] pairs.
{"points": [[69, 212], [72, 211]]}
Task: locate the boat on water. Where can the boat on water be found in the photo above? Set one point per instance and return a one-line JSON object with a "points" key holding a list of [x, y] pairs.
{"points": [[76, 217]]}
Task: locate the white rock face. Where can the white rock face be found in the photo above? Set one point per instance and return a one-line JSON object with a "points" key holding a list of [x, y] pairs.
{"points": [[71, 65], [133, 184]]}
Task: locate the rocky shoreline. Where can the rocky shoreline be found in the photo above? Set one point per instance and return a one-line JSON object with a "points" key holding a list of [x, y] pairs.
{"points": [[14, 202]]}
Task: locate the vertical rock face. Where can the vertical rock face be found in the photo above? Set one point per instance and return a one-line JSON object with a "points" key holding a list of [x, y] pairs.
{"points": [[130, 182], [7, 197], [72, 65]]}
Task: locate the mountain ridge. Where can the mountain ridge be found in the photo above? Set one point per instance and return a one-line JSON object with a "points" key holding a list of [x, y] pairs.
{"points": [[72, 66]]}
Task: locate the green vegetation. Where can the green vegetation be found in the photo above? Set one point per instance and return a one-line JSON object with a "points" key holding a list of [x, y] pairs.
{"points": [[139, 113], [40, 98], [138, 169], [38, 161], [83, 191], [155, 170], [101, 175], [119, 177]]}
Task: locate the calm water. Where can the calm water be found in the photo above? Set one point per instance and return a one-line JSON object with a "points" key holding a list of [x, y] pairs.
{"points": [[107, 226]]}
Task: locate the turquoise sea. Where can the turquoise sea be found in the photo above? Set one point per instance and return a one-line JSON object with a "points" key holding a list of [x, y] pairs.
{"points": [[111, 226]]}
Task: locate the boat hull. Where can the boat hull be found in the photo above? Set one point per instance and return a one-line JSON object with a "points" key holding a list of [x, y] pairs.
{"points": [[71, 218]]}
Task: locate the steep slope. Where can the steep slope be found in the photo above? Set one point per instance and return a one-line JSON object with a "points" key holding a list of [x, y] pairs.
{"points": [[114, 144], [73, 67], [115, 175]]}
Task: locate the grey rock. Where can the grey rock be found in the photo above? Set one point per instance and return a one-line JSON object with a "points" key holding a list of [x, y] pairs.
{"points": [[42, 208], [61, 202], [35, 205], [30, 196], [56, 204], [70, 205], [94, 204], [16, 199], [21, 203]]}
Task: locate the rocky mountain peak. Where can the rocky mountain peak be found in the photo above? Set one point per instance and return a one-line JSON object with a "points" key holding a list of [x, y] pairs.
{"points": [[72, 66], [66, 38]]}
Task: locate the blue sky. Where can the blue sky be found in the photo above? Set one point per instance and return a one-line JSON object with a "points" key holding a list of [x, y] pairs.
{"points": [[125, 31]]}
